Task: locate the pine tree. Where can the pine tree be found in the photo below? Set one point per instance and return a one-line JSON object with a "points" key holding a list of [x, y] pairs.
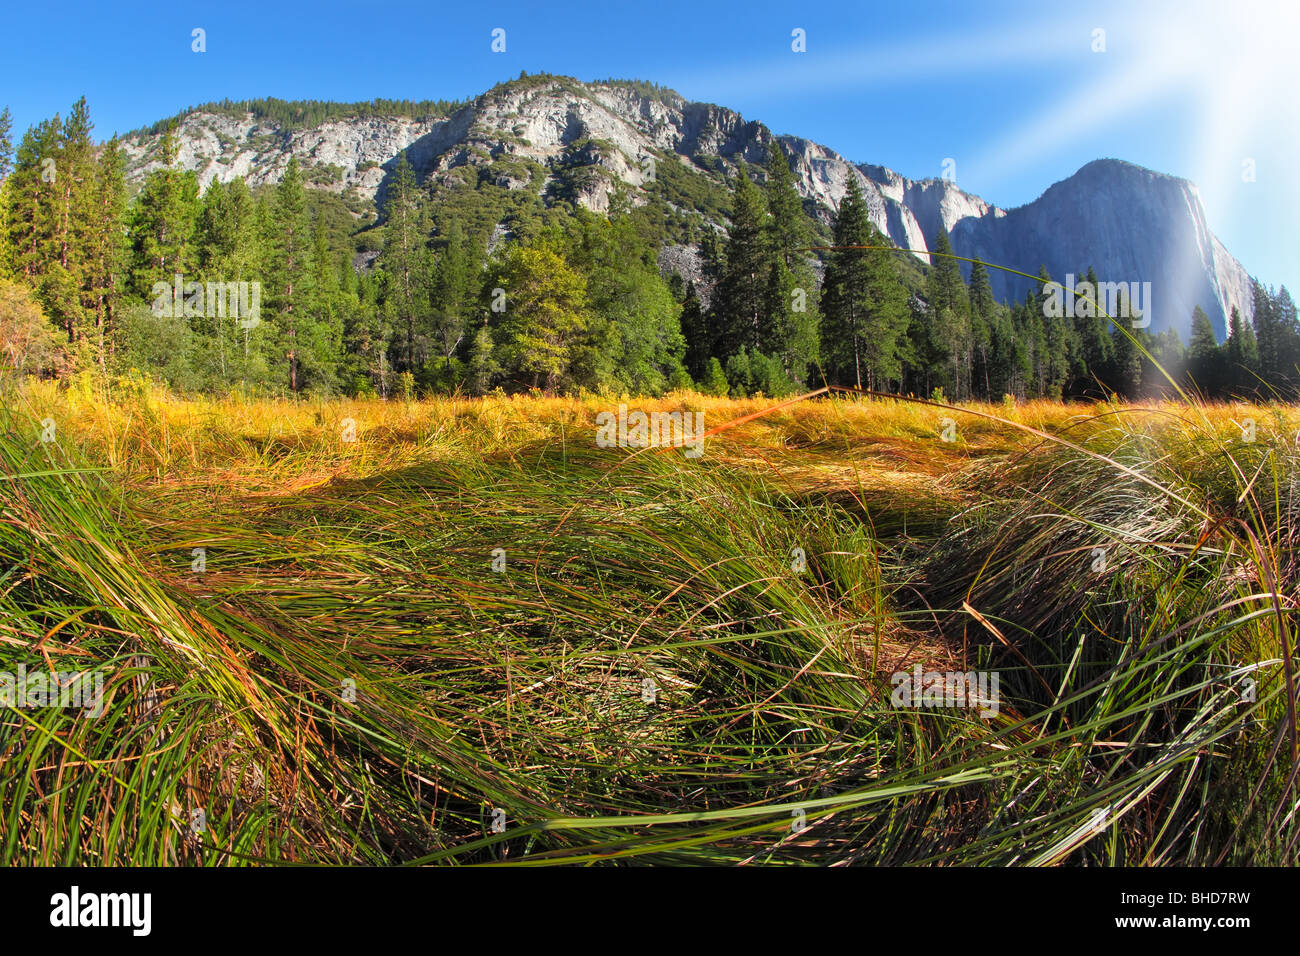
{"points": [[789, 226], [1033, 333], [1004, 373], [1204, 357], [321, 337], [545, 318], [31, 195], [983, 316], [248, 259], [846, 298], [1094, 358], [163, 220], [214, 230], [291, 244], [365, 337], [949, 315], [107, 247], [455, 288], [51, 219], [1019, 344], [404, 259], [1171, 354], [713, 256], [76, 188], [6, 167], [1242, 354], [1129, 348], [790, 327], [482, 367], [739, 298], [695, 331], [1274, 340], [1288, 345], [1051, 342], [6, 144]]}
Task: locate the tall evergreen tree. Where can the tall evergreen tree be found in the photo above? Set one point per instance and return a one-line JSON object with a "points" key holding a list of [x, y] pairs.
{"points": [[739, 299], [107, 247], [1204, 357], [163, 220], [790, 329], [455, 292], [1241, 354], [321, 337], [1169, 351], [983, 318], [1288, 346], [1094, 357], [949, 316], [789, 225], [1274, 340], [6, 144], [31, 195], [404, 259], [6, 167], [290, 250], [863, 303], [1129, 348], [695, 331], [546, 316]]}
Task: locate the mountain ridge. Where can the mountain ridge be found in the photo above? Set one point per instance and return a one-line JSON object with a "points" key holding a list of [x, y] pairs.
{"points": [[1128, 222]]}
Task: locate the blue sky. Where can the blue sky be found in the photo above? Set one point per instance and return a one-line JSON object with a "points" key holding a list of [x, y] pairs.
{"points": [[1012, 92]]}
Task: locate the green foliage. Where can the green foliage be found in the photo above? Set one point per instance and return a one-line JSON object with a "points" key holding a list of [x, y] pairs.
{"points": [[864, 303], [1204, 357], [29, 345], [715, 379], [350, 302], [405, 261], [161, 347], [324, 174], [651, 91], [162, 225], [682, 200], [633, 308], [62, 220], [753, 373], [290, 115], [738, 305], [544, 317], [695, 333]]}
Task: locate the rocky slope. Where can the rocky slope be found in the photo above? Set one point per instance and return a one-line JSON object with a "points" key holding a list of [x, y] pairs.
{"points": [[1129, 223]]}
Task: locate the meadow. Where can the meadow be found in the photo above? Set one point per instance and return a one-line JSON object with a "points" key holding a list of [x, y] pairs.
{"points": [[458, 631]]}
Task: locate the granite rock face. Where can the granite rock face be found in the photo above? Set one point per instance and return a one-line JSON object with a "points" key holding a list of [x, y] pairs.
{"points": [[1128, 223], [1131, 225]]}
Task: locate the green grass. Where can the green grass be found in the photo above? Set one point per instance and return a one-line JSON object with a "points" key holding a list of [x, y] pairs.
{"points": [[649, 680]]}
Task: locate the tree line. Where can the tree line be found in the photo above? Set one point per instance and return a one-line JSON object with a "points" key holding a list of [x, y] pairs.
{"points": [[434, 298]]}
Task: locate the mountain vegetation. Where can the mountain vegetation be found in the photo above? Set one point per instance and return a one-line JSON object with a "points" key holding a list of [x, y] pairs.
{"points": [[499, 275]]}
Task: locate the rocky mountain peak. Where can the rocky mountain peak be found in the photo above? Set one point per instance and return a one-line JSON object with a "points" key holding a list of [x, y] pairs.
{"points": [[1127, 222]]}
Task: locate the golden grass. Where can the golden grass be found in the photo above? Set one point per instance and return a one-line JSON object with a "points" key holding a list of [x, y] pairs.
{"points": [[331, 559], [278, 445]]}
